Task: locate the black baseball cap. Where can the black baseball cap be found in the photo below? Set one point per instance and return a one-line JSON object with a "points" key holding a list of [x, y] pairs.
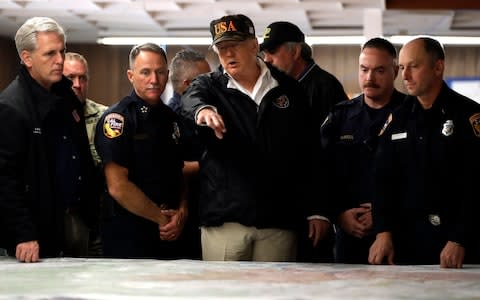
{"points": [[278, 33], [231, 28]]}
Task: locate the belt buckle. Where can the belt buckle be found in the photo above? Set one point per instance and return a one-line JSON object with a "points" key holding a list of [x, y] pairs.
{"points": [[434, 219]]}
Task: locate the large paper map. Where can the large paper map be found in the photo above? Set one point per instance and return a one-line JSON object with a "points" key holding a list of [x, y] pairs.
{"points": [[108, 279]]}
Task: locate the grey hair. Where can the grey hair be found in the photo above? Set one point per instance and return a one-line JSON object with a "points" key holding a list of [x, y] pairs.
{"points": [[77, 57], [152, 47], [305, 49], [183, 65], [26, 36]]}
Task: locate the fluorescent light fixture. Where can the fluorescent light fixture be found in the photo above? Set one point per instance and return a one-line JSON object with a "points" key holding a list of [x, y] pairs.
{"points": [[335, 40], [156, 40], [311, 40], [444, 40]]}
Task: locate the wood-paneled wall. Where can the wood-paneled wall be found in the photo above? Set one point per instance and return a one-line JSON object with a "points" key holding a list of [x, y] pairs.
{"points": [[108, 65]]}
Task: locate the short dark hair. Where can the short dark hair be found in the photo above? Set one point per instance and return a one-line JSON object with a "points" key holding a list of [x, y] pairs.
{"points": [[433, 48], [381, 43], [182, 64], [305, 50], [145, 47]]}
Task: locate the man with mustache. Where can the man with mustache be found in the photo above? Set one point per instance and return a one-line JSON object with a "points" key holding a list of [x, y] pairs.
{"points": [[349, 139], [138, 140]]}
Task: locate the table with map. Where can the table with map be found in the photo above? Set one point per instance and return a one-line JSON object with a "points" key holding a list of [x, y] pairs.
{"points": [[102, 279]]}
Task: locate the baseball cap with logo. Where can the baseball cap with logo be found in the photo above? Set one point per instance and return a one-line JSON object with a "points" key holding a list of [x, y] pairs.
{"points": [[231, 28], [278, 33]]}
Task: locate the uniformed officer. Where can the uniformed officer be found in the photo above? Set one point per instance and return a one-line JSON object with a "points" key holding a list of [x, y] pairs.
{"points": [[426, 168], [138, 141], [349, 139], [75, 68]]}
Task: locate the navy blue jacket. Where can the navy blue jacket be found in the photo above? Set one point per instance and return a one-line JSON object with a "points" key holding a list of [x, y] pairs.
{"points": [[260, 173], [45, 163]]}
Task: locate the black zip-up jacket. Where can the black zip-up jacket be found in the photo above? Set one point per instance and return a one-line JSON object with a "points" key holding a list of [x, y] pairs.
{"points": [[260, 173], [33, 122], [323, 91]]}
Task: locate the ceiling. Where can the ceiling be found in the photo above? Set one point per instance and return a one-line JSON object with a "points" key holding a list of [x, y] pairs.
{"points": [[87, 20]]}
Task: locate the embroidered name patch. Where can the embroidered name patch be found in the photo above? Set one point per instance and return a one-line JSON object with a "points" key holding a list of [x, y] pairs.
{"points": [[346, 137], [113, 125], [399, 136]]}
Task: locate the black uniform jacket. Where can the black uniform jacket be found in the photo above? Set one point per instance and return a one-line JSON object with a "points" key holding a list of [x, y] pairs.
{"points": [[427, 164], [260, 173], [29, 204], [349, 138]]}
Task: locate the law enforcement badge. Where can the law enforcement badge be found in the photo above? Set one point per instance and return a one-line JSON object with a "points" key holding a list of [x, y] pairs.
{"points": [[113, 125], [281, 102], [475, 121], [447, 129], [176, 132], [434, 220]]}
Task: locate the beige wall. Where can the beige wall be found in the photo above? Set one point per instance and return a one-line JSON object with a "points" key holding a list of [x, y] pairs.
{"points": [[108, 65], [342, 61]]}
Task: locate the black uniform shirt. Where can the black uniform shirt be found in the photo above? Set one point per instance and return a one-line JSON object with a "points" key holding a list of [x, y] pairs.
{"points": [[426, 164], [146, 140], [349, 137]]}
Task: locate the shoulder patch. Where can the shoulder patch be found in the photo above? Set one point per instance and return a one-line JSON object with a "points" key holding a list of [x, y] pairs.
{"points": [[113, 125], [475, 122], [387, 122]]}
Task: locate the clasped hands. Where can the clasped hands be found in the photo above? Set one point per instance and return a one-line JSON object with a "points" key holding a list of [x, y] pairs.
{"points": [[357, 221], [171, 230]]}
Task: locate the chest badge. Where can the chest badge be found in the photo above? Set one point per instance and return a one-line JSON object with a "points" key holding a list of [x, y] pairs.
{"points": [[447, 129], [434, 220]]}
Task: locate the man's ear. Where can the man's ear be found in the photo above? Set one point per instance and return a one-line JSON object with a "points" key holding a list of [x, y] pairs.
{"points": [[439, 67], [130, 75], [395, 71], [26, 57], [298, 51]]}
